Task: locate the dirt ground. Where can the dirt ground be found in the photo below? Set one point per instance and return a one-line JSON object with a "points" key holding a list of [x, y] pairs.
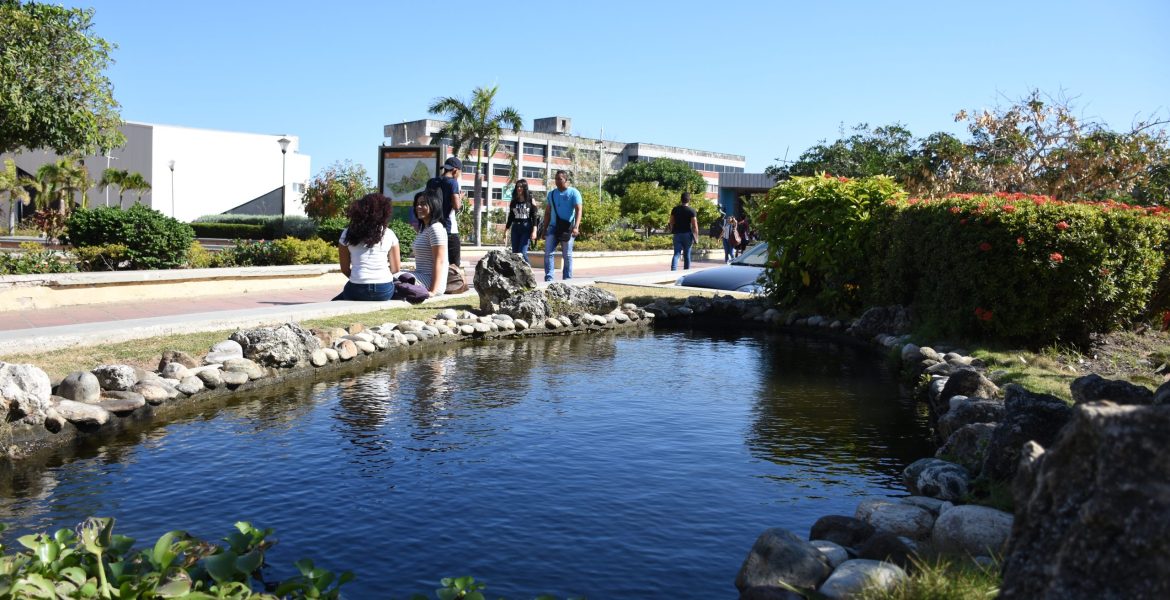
{"points": [[1140, 356]]}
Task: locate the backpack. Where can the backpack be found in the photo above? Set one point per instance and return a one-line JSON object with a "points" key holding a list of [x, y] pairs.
{"points": [[456, 284], [436, 187]]}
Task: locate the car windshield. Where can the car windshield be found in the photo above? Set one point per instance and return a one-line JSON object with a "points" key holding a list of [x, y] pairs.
{"points": [[756, 256]]}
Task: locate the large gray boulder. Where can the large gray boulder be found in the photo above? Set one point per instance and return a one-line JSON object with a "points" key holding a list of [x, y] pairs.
{"points": [[855, 576], [1094, 388], [968, 446], [896, 517], [287, 346], [965, 382], [1095, 521], [892, 320], [568, 300], [779, 554], [80, 386], [531, 307], [972, 530], [1027, 417], [116, 377], [964, 411], [500, 275], [840, 529], [24, 393]]}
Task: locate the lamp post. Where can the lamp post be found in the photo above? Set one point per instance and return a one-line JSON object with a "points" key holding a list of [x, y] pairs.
{"points": [[108, 159], [600, 163], [171, 164], [284, 142]]}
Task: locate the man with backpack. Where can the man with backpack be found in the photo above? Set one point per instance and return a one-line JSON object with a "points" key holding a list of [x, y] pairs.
{"points": [[446, 186]]}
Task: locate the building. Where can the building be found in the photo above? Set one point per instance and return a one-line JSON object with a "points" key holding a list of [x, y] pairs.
{"points": [[551, 146], [192, 172]]}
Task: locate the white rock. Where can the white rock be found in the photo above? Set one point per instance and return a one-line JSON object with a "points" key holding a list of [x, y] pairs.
{"points": [[853, 576], [466, 329], [521, 324], [331, 354], [80, 413], [190, 385], [834, 553], [366, 347], [896, 517], [175, 370], [319, 358], [971, 529]]}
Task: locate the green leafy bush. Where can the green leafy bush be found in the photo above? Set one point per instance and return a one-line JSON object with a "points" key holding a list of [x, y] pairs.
{"points": [[93, 562], [1021, 268], [598, 214], [291, 251], [251, 253], [406, 235], [229, 231], [152, 239], [199, 257], [330, 229], [34, 259], [106, 257], [819, 238]]}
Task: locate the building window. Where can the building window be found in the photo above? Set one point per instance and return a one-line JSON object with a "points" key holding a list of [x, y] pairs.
{"points": [[469, 167], [534, 149], [497, 194], [532, 173], [712, 188], [508, 147], [560, 152], [502, 169], [468, 190]]}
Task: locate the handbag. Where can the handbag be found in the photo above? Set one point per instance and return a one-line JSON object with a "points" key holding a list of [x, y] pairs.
{"points": [[456, 284], [564, 230]]}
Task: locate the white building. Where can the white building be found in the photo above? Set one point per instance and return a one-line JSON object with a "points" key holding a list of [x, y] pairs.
{"points": [[551, 146], [194, 172]]}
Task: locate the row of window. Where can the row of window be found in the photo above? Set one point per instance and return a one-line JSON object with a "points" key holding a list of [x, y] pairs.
{"points": [[698, 166], [498, 193]]}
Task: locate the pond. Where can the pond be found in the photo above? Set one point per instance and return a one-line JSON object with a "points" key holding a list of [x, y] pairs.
{"points": [[626, 465]]}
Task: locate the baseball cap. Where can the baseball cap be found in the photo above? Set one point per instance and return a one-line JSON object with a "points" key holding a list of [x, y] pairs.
{"points": [[452, 163]]}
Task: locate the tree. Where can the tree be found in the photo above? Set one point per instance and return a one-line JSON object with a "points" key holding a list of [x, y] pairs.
{"points": [[647, 205], [136, 183], [12, 186], [332, 190], [600, 213], [881, 151], [57, 182], [115, 177], [668, 173], [475, 124], [55, 94]]}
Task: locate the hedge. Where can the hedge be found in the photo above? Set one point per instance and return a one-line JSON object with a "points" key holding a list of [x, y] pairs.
{"points": [[152, 239], [231, 231]]}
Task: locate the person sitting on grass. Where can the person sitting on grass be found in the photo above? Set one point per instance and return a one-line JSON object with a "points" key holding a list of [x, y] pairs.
{"points": [[368, 250]]}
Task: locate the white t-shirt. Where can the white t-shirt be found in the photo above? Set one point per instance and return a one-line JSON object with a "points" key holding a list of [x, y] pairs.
{"points": [[424, 254], [371, 264]]}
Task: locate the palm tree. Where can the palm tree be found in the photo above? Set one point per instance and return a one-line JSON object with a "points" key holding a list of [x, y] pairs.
{"points": [[59, 181], [136, 183], [115, 177], [12, 185], [475, 124]]}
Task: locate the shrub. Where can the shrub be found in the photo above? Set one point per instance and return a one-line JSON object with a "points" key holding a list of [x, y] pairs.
{"points": [[251, 253], [599, 214], [229, 231], [330, 229], [291, 251], [818, 233], [1021, 268], [106, 257], [269, 226], [34, 259], [406, 235], [152, 239]]}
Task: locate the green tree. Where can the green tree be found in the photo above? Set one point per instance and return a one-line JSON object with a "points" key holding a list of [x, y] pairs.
{"points": [[55, 94], [56, 182], [647, 205], [332, 190], [115, 177], [600, 213], [881, 151], [12, 186], [136, 183], [475, 124], [668, 173]]}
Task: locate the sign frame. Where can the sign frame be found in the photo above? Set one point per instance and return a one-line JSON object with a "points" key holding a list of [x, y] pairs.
{"points": [[430, 157]]}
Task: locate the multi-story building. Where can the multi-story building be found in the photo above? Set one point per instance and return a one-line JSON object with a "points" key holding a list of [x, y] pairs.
{"points": [[538, 154]]}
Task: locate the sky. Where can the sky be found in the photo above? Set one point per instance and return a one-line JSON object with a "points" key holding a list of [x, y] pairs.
{"points": [[765, 79]]}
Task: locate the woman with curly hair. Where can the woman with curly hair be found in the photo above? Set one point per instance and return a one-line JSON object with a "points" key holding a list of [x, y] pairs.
{"points": [[368, 250]]}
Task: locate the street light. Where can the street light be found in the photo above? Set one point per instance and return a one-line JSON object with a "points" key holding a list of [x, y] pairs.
{"points": [[108, 159], [600, 167], [172, 167], [284, 142]]}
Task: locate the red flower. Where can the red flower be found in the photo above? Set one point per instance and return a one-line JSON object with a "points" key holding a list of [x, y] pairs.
{"points": [[956, 210], [982, 314], [1019, 241], [984, 246], [842, 179], [1008, 208], [1056, 257], [1062, 225]]}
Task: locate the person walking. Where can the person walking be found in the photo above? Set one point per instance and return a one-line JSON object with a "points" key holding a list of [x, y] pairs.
{"points": [[368, 250], [522, 219], [742, 230], [429, 247], [728, 235], [452, 201], [562, 212], [684, 224]]}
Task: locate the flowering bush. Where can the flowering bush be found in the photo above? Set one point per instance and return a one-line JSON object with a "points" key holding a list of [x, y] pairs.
{"points": [[1019, 267]]}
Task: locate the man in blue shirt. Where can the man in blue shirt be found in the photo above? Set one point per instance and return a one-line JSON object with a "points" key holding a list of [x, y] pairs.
{"points": [[564, 205]]}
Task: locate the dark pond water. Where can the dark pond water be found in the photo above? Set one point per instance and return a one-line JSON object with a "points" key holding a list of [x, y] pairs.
{"points": [[612, 466]]}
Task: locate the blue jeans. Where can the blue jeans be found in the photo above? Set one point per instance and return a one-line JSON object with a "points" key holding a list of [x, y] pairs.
{"points": [[521, 236], [682, 245], [550, 246], [728, 250], [366, 291]]}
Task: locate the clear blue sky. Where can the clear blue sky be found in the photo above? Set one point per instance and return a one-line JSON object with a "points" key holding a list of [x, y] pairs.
{"points": [[757, 78]]}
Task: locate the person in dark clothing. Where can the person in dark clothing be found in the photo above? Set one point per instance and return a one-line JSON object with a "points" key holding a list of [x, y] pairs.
{"points": [[522, 217], [743, 229], [684, 224]]}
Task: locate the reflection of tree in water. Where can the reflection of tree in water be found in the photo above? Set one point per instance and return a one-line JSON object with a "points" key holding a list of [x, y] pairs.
{"points": [[366, 405], [823, 400]]}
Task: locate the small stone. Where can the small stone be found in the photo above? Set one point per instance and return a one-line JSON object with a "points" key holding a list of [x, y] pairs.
{"points": [[331, 354], [234, 378], [834, 553], [466, 329], [80, 386], [482, 328], [366, 347], [566, 321], [121, 403], [190, 385], [552, 323], [319, 358], [82, 414], [521, 324], [356, 328], [448, 314], [212, 378], [244, 365], [152, 393], [174, 370], [854, 576], [346, 349]]}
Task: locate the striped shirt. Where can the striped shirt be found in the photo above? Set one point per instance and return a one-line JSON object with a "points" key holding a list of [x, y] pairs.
{"points": [[424, 254]]}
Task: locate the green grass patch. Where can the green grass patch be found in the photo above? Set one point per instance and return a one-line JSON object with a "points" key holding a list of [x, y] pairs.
{"points": [[943, 579]]}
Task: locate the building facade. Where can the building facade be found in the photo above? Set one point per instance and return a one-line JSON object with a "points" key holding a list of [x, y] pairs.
{"points": [[192, 172], [538, 154]]}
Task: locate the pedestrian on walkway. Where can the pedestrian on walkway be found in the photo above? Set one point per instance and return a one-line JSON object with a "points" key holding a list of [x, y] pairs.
{"points": [[564, 203], [447, 185], [368, 250], [742, 230], [684, 224], [430, 246], [729, 236], [522, 214]]}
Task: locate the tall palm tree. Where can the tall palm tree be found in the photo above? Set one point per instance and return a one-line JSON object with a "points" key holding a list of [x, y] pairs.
{"points": [[12, 185], [59, 181], [136, 183], [115, 177], [475, 124]]}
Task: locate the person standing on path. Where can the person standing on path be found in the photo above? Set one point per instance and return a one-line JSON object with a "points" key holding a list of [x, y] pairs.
{"points": [[562, 212], [448, 183], [729, 237], [684, 224], [522, 219]]}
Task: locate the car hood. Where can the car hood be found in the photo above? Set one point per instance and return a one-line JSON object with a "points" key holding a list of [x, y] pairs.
{"points": [[728, 277]]}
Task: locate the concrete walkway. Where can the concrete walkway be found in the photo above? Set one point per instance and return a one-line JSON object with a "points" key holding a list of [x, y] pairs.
{"points": [[50, 329]]}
